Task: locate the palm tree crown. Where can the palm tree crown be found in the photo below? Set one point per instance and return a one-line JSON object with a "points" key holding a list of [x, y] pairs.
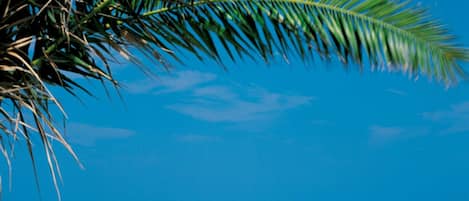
{"points": [[45, 41]]}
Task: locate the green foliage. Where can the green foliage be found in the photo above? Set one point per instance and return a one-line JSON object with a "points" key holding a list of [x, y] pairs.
{"points": [[42, 41]]}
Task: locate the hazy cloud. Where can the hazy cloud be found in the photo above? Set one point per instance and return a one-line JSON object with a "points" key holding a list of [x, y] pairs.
{"points": [[208, 100], [191, 138], [223, 104], [457, 111], [383, 134], [452, 120], [396, 92], [379, 134], [87, 135], [455, 119], [179, 81]]}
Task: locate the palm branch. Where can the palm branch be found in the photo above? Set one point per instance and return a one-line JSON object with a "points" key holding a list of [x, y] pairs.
{"points": [[43, 41]]}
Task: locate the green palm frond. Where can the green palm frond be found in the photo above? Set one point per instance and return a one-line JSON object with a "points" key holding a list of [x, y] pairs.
{"points": [[386, 34], [43, 41]]}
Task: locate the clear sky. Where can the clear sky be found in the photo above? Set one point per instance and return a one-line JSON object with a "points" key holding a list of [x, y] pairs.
{"points": [[281, 132]]}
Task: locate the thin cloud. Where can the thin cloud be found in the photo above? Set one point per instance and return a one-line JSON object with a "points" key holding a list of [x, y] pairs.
{"points": [[453, 119], [384, 134], [191, 138], [88, 135], [396, 92], [205, 99], [180, 81], [449, 121], [223, 104], [380, 134]]}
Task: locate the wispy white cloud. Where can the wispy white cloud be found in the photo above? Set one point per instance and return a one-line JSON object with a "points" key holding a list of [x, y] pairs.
{"points": [[380, 134], [223, 104], [451, 120], [384, 134], [457, 111], [88, 135], [179, 81], [396, 92], [206, 99], [454, 119], [191, 138]]}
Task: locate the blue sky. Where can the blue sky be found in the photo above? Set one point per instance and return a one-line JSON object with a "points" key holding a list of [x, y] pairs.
{"points": [[278, 132]]}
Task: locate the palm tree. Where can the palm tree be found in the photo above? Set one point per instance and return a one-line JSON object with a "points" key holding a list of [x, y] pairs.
{"points": [[43, 42]]}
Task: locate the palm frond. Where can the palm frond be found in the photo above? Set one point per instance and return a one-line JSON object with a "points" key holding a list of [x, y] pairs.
{"points": [[385, 34], [43, 41]]}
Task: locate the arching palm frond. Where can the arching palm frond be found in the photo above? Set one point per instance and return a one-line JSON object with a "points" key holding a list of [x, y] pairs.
{"points": [[383, 33], [44, 40]]}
